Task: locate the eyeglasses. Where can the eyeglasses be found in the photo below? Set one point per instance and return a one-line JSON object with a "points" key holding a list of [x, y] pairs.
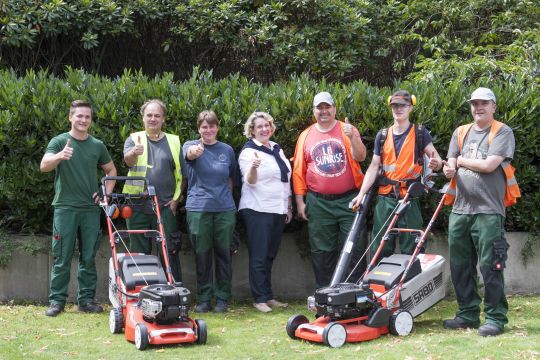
{"points": [[399, 106]]}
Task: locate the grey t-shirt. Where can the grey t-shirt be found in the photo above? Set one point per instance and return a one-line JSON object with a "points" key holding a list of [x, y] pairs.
{"points": [[482, 193], [160, 170]]}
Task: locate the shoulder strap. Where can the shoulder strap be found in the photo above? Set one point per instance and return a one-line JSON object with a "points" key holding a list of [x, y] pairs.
{"points": [[495, 127], [463, 130], [419, 134], [382, 139], [383, 134]]}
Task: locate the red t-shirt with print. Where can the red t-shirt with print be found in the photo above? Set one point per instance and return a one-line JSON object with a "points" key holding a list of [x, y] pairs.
{"points": [[328, 171]]}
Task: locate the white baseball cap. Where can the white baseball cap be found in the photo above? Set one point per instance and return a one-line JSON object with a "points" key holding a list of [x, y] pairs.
{"points": [[483, 93], [323, 97]]}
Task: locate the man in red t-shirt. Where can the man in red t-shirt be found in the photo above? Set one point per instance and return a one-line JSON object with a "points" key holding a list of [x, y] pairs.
{"points": [[326, 172]]}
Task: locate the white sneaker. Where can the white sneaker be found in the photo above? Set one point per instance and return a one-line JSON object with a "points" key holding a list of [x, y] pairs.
{"points": [[262, 307], [276, 304]]}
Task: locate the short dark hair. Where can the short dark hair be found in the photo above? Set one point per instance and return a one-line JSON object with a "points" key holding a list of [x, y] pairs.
{"points": [[209, 116], [78, 104]]}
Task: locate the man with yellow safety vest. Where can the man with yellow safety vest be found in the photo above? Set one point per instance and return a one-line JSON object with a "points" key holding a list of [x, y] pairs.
{"points": [[155, 155], [399, 157], [483, 183]]}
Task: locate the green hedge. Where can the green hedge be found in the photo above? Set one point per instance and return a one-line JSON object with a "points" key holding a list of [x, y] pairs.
{"points": [[34, 108]]}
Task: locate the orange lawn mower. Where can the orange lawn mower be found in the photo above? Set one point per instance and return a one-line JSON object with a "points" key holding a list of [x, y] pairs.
{"points": [[390, 293], [148, 305]]}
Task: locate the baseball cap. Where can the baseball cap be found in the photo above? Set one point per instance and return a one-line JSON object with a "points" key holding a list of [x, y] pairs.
{"points": [[323, 97], [483, 93]]}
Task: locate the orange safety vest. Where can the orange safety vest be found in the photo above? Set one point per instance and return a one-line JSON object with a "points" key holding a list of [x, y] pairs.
{"points": [[403, 167], [300, 167], [512, 192]]}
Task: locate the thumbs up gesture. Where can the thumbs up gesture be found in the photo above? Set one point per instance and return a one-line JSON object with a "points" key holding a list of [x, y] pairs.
{"points": [[348, 128], [138, 149], [434, 161], [256, 160], [449, 169], [67, 151], [195, 151]]}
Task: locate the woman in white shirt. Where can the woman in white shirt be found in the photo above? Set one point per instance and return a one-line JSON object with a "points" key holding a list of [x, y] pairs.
{"points": [[265, 204]]}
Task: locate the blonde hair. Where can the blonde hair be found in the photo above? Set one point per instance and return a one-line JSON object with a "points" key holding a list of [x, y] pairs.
{"points": [[154, 101], [250, 122]]}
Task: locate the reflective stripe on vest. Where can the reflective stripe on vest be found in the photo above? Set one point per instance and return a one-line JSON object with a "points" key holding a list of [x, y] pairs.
{"points": [[402, 168], [140, 168], [512, 192]]}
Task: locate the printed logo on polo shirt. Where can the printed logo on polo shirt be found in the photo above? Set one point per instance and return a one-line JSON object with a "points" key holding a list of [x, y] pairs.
{"points": [[329, 158], [222, 157]]}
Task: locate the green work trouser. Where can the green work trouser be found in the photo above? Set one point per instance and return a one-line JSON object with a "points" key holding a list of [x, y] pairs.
{"points": [[211, 236], [472, 239], [139, 243], [410, 219], [328, 227], [70, 225]]}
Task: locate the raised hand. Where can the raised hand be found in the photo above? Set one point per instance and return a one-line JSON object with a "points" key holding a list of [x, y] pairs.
{"points": [[433, 161], [348, 128], [256, 160], [138, 149], [449, 171], [196, 151], [67, 151]]}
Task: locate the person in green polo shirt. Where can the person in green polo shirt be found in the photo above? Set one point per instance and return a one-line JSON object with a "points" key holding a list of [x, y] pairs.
{"points": [[74, 156]]}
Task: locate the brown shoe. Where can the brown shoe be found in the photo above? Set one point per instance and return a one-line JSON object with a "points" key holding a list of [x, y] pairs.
{"points": [[276, 304], [262, 307]]}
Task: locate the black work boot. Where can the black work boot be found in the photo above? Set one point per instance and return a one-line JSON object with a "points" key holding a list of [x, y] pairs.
{"points": [[490, 329], [54, 309], [458, 323], [221, 306], [203, 307], [90, 307]]}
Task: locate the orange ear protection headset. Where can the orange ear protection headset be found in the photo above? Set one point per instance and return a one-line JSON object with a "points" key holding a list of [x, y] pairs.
{"points": [[413, 100]]}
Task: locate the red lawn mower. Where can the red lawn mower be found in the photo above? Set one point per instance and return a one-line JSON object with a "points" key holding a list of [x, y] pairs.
{"points": [[148, 305], [387, 297]]}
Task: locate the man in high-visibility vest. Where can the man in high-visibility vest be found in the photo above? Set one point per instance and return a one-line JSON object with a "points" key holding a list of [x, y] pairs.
{"points": [[399, 152], [154, 154], [476, 157]]}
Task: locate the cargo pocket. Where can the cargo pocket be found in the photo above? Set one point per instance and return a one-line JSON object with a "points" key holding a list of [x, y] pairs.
{"points": [[56, 244], [500, 254]]}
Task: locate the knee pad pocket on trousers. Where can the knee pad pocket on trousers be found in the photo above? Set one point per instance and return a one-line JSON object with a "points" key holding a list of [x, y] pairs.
{"points": [[56, 248], [500, 255]]}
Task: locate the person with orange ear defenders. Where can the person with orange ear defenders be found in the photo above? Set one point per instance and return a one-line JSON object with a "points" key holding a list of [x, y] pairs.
{"points": [[399, 156]]}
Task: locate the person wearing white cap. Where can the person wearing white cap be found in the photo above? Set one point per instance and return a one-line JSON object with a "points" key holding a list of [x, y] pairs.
{"points": [[482, 185], [327, 174]]}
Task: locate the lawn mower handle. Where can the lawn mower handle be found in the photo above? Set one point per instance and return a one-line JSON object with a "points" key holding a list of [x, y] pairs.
{"points": [[123, 178], [358, 224]]}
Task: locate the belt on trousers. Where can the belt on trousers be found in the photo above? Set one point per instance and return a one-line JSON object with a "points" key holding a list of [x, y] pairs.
{"points": [[333, 196]]}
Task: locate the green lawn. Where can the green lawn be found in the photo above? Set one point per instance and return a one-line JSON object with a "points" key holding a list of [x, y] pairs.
{"points": [[244, 333]]}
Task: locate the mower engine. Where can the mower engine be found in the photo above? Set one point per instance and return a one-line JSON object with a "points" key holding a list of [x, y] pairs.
{"points": [[343, 301], [164, 303]]}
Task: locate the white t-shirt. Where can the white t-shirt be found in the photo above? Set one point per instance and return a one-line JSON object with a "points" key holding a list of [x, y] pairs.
{"points": [[269, 194]]}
